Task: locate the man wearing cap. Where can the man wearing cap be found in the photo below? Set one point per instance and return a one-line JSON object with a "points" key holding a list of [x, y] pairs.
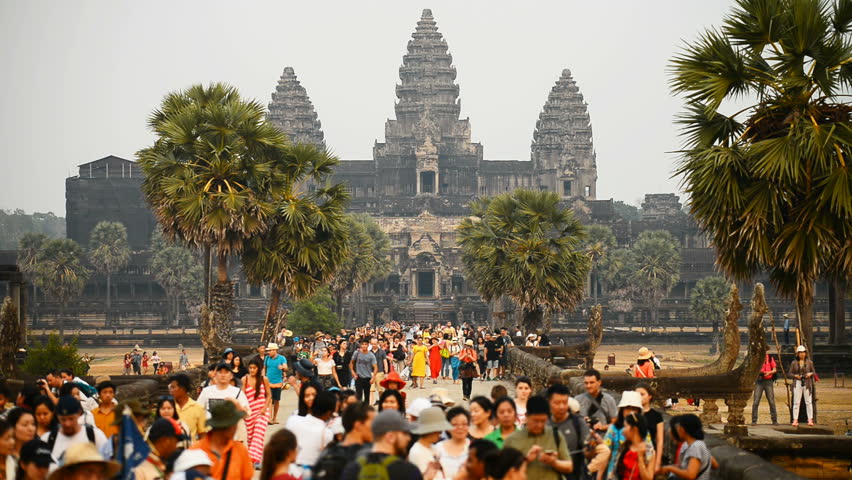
{"points": [[188, 410], [163, 438], [35, 454], [221, 391], [544, 446], [69, 431], [274, 366], [230, 459], [391, 436]]}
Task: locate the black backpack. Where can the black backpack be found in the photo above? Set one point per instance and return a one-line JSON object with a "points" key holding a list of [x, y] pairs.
{"points": [[334, 459]]}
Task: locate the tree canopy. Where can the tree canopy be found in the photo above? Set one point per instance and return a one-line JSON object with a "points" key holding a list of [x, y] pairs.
{"points": [[707, 301], [314, 313]]}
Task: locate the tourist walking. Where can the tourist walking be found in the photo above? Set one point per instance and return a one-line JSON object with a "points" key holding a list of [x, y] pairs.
{"points": [[128, 364], [144, 363], [545, 449], [326, 371], [635, 458], [631, 402], [274, 366], [183, 360], [230, 458], [221, 391], [654, 422], [342, 357], [644, 365], [492, 357], [480, 352], [480, 417], [596, 405], [256, 388], [455, 350], [364, 367], [191, 413], [419, 355], [507, 418], [391, 436], [279, 455], [570, 425], [694, 460], [452, 452], [430, 425], [523, 390], [468, 368], [435, 359], [155, 361], [802, 371], [765, 385]]}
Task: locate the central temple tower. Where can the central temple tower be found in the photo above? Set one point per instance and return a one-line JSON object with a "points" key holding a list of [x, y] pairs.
{"points": [[427, 149]]}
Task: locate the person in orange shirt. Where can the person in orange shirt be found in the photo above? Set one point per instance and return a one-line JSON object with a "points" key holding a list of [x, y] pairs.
{"points": [[230, 459], [105, 413], [644, 365]]}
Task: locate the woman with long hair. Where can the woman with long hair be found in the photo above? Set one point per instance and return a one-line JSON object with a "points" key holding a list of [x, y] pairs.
{"points": [[507, 418], [802, 371], [342, 358], [256, 388], [7, 450], [654, 421], [635, 458], [127, 364], [23, 427], [279, 453], [392, 400], [468, 368], [44, 417], [455, 350], [631, 402], [694, 459], [307, 395], [238, 368], [523, 390], [326, 373], [480, 417], [480, 352], [452, 452]]}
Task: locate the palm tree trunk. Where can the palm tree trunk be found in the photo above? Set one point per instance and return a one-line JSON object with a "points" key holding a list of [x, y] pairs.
{"points": [[837, 311], [177, 310], [338, 298], [805, 313], [62, 321], [532, 320], [271, 313], [222, 267], [207, 261], [108, 302]]}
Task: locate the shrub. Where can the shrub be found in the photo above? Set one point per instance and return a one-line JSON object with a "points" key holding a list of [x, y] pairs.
{"points": [[52, 356]]}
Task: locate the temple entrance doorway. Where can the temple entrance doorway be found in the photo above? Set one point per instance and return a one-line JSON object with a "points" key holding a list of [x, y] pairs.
{"points": [[425, 284]]}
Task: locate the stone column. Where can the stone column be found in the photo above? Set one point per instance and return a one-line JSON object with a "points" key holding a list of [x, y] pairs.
{"points": [[711, 412]]}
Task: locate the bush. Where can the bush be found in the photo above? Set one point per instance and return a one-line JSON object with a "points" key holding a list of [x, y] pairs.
{"points": [[52, 356]]}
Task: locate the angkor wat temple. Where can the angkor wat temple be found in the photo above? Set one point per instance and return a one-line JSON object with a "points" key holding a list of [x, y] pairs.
{"points": [[417, 186]]}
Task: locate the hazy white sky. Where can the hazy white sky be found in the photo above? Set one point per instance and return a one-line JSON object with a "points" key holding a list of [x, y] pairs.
{"points": [[79, 78]]}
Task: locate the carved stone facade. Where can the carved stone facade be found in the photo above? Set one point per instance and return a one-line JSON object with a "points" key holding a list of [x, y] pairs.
{"points": [[428, 168]]}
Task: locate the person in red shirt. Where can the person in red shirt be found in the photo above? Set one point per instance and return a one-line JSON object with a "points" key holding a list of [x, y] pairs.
{"points": [[230, 459]]}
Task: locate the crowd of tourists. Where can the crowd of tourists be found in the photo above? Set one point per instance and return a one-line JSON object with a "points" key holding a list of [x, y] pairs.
{"points": [[356, 417]]}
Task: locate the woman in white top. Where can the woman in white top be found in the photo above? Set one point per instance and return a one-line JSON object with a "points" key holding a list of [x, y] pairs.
{"points": [[326, 373], [452, 453], [430, 424]]}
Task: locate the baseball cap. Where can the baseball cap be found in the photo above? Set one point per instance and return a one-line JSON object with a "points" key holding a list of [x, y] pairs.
{"points": [[166, 427], [389, 421], [36, 451], [68, 405]]}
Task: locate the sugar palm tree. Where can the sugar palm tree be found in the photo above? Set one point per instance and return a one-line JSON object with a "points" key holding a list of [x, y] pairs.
{"points": [[526, 246], [655, 268], [599, 242], [29, 246], [771, 182], [305, 242], [61, 273], [108, 253], [211, 177], [707, 300]]}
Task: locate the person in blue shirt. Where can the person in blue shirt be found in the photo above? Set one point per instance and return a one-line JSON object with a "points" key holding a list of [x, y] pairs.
{"points": [[274, 366]]}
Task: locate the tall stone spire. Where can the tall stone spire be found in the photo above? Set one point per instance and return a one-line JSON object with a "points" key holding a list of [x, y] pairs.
{"points": [[562, 149], [293, 112]]}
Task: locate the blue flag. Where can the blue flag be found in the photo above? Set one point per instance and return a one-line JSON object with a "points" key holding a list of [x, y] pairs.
{"points": [[132, 449]]}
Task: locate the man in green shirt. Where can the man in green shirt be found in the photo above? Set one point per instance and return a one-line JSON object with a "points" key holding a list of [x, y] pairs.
{"points": [[545, 447]]}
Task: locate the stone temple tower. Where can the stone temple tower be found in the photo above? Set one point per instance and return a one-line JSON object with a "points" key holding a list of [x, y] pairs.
{"points": [[293, 112], [427, 150], [562, 152]]}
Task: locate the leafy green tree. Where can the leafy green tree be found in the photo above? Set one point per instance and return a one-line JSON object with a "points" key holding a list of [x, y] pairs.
{"points": [[314, 313], [599, 242], [655, 268], [306, 242], [214, 178], [771, 181], [54, 354], [626, 211], [367, 260], [707, 300], [526, 246], [108, 253], [14, 224], [61, 273], [179, 272]]}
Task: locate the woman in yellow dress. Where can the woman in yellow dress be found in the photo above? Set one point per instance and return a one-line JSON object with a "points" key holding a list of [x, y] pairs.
{"points": [[419, 354]]}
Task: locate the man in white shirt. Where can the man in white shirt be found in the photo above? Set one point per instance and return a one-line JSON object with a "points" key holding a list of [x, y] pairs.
{"points": [[312, 433], [69, 430], [221, 390]]}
